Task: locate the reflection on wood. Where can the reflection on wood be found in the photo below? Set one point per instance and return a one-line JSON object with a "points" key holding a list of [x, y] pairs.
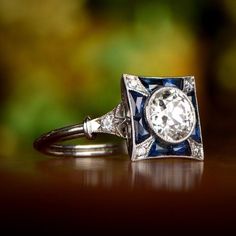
{"points": [[170, 175]]}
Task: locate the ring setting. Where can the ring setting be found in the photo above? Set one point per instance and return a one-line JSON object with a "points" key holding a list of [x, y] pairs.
{"points": [[158, 117]]}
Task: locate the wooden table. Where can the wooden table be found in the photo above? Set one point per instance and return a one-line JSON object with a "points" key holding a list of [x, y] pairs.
{"points": [[41, 195]]}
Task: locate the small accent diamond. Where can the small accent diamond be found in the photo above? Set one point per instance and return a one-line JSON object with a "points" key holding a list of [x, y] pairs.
{"points": [[143, 149], [107, 122], [188, 84], [133, 83], [196, 149]]}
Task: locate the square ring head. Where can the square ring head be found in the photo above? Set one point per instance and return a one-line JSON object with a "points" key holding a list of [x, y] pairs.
{"points": [[164, 117]]}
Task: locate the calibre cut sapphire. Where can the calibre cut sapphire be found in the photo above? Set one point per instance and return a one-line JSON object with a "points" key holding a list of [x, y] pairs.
{"points": [[159, 149], [151, 83], [173, 82], [196, 134], [141, 133], [141, 129], [181, 149], [138, 100]]}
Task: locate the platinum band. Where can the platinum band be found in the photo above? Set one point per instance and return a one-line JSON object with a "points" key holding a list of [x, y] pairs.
{"points": [[50, 143]]}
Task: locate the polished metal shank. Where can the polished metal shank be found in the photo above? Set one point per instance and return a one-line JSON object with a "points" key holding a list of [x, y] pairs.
{"points": [[50, 143]]}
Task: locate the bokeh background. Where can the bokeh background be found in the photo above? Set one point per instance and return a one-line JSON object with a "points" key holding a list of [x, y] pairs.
{"points": [[62, 60]]}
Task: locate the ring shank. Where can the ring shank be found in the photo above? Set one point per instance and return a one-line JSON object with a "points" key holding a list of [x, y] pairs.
{"points": [[49, 143]]}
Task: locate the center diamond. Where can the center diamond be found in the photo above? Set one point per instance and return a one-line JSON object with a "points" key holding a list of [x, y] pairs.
{"points": [[170, 114]]}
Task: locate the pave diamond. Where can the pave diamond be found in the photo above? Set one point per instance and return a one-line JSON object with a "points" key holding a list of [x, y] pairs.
{"points": [[171, 114]]}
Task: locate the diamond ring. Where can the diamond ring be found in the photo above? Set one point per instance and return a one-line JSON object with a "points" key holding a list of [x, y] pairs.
{"points": [[158, 117]]}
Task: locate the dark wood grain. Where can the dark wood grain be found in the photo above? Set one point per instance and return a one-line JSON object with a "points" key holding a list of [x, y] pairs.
{"points": [[113, 194]]}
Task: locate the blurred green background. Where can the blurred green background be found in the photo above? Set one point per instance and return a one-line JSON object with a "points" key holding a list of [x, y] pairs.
{"points": [[62, 60]]}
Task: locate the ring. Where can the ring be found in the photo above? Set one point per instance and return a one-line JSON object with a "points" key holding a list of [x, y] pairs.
{"points": [[158, 117]]}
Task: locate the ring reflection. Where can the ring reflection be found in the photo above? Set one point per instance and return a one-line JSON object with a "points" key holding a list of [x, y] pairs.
{"points": [[171, 174], [160, 174]]}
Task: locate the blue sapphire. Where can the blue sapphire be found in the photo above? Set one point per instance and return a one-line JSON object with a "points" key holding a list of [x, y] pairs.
{"points": [[160, 149], [141, 129], [173, 82], [141, 132], [180, 149], [196, 135], [137, 102], [151, 83]]}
